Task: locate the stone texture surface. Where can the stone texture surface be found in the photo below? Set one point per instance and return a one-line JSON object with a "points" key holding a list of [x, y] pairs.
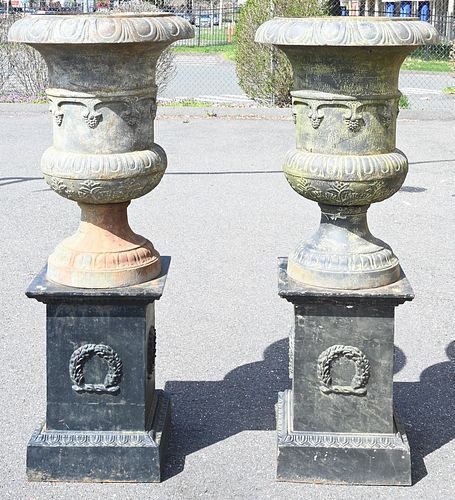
{"points": [[345, 103], [126, 27]]}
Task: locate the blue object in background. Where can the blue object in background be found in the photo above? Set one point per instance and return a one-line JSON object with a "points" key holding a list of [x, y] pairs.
{"points": [[405, 9], [344, 10], [390, 9], [424, 11]]}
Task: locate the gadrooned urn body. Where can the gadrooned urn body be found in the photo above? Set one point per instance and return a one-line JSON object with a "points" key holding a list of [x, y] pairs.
{"points": [[102, 99], [345, 104]]}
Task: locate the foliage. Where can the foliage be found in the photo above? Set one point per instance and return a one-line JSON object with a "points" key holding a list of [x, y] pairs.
{"points": [[412, 64], [265, 73], [227, 51], [404, 102], [186, 103], [23, 70], [452, 57], [438, 52]]}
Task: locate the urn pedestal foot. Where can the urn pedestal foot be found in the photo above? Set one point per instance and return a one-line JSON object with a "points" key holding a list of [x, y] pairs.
{"points": [[105, 421], [343, 254], [104, 252], [337, 424]]}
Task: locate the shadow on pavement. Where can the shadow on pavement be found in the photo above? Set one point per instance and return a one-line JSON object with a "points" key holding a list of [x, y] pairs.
{"points": [[206, 412], [228, 172], [431, 161], [5, 181], [412, 189], [427, 410]]}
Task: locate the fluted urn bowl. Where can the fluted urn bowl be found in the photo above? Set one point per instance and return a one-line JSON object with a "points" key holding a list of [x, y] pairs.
{"points": [[345, 104], [102, 99]]}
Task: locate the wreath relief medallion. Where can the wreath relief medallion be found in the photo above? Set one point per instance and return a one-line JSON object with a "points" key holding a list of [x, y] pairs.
{"points": [[76, 368], [362, 370]]}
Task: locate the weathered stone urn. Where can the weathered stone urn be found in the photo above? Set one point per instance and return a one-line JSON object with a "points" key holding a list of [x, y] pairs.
{"points": [[105, 420], [345, 102], [103, 101], [337, 423]]}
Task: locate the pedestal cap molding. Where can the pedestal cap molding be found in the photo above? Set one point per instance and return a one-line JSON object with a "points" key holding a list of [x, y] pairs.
{"points": [[347, 31], [101, 28]]}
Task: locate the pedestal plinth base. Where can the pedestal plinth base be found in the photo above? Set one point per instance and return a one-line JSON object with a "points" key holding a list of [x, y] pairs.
{"points": [[336, 457], [101, 455], [105, 421]]}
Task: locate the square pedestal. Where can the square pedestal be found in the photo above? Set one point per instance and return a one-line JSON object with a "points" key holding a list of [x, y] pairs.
{"points": [[104, 419], [337, 424]]}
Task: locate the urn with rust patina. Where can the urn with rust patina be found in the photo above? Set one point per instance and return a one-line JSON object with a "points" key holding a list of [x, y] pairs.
{"points": [[105, 419], [102, 98], [345, 103]]}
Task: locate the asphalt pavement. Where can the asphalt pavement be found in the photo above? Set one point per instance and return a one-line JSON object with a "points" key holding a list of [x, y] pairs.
{"points": [[225, 212]]}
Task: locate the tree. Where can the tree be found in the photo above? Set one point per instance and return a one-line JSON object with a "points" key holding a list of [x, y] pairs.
{"points": [[264, 72]]}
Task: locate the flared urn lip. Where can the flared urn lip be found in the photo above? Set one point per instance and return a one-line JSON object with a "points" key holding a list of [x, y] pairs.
{"points": [[107, 28], [349, 31]]}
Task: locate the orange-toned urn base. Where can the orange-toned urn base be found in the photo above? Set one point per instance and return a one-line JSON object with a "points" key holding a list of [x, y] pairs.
{"points": [[105, 252]]}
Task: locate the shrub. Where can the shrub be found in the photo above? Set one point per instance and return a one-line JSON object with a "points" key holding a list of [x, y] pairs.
{"points": [[452, 57], [437, 52], [264, 72], [404, 102], [23, 71]]}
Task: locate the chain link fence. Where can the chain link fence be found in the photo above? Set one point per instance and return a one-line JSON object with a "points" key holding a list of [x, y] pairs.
{"points": [[204, 70]]}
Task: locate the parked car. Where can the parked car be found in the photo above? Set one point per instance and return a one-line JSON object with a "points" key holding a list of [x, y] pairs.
{"points": [[202, 21]]}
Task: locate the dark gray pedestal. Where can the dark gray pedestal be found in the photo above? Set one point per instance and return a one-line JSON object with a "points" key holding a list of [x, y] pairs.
{"points": [[336, 424], [104, 421]]}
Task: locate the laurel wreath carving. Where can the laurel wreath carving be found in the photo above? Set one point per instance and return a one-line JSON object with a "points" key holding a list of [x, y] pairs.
{"points": [[76, 368], [362, 370]]}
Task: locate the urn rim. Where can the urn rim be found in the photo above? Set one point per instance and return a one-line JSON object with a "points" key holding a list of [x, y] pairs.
{"points": [[118, 28], [350, 31]]}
